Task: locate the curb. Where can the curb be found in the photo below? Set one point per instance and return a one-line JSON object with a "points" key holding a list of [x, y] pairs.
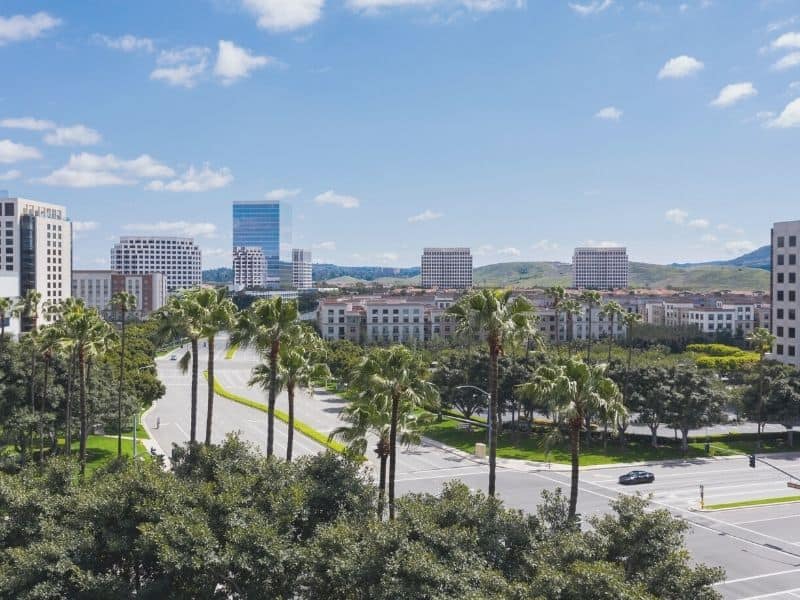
{"points": [[715, 510], [152, 441]]}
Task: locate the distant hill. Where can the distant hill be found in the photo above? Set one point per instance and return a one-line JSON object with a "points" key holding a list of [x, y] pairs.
{"points": [[326, 272], [221, 275], [757, 259]]}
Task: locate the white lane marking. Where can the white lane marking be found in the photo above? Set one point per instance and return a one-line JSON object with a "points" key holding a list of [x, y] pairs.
{"points": [[754, 577], [772, 595], [449, 476], [182, 430]]}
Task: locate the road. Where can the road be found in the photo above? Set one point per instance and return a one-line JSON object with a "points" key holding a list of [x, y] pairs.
{"points": [[758, 547]]}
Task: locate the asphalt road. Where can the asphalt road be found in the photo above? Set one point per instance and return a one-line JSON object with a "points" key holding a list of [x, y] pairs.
{"points": [[758, 547]]}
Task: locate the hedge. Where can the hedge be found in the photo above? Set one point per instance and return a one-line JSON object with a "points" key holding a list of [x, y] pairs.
{"points": [[715, 349], [303, 428], [726, 363]]}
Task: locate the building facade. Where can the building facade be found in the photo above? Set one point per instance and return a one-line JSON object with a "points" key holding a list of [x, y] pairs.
{"points": [[265, 224], [600, 268], [301, 269], [446, 268], [96, 288], [785, 290], [249, 267], [178, 259]]}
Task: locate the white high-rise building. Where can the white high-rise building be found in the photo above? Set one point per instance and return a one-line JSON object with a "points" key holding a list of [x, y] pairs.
{"points": [[785, 290], [301, 269], [600, 268], [249, 267], [447, 268], [36, 250], [179, 259]]}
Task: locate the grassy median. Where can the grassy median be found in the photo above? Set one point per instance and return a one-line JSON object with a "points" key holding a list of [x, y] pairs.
{"points": [[746, 503]]}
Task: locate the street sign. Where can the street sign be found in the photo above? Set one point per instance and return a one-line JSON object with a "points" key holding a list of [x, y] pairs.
{"points": [[793, 485]]}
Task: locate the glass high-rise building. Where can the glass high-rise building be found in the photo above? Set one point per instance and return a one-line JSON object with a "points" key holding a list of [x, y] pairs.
{"points": [[265, 224]]}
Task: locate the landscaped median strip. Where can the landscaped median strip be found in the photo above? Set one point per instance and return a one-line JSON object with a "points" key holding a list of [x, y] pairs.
{"points": [[231, 352], [306, 430], [746, 503]]}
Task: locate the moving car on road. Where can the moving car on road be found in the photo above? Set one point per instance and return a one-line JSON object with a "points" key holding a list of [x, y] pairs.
{"points": [[636, 477]]}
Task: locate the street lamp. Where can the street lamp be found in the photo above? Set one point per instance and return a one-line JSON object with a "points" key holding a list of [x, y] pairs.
{"points": [[489, 412]]}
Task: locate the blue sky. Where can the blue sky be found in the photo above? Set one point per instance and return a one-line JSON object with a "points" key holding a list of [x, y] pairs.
{"points": [[519, 128]]}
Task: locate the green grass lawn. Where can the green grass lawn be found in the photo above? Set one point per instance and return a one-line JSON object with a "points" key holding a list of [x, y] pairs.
{"points": [[102, 449], [525, 446], [745, 503]]}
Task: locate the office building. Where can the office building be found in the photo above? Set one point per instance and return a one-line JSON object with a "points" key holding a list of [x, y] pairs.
{"points": [[301, 269], [447, 268], [249, 267], [178, 259], [36, 251], [600, 268], [265, 224], [785, 289], [96, 288]]}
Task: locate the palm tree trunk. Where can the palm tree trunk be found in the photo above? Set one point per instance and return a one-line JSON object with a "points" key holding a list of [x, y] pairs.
{"points": [[575, 444], [3, 330], [41, 411], [393, 453], [68, 408], [558, 328], [760, 400], [273, 389], [383, 454], [121, 383], [82, 383], [290, 433], [493, 390], [610, 337], [193, 417], [210, 410], [32, 389], [589, 346]]}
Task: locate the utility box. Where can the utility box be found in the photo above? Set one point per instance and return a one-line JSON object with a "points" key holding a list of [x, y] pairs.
{"points": [[480, 450]]}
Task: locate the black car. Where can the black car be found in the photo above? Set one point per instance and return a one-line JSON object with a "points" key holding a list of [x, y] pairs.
{"points": [[635, 477]]}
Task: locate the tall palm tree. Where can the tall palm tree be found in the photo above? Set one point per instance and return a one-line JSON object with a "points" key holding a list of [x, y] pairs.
{"points": [[27, 307], [611, 310], [395, 377], [575, 389], [47, 342], [630, 320], [557, 296], [761, 340], [372, 415], [122, 303], [6, 306], [502, 320], [571, 309], [298, 366], [590, 300], [266, 326], [217, 313]]}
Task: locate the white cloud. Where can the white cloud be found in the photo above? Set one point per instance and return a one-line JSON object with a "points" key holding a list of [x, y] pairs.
{"points": [[545, 245], [649, 7], [790, 117], [730, 228], [676, 215], [680, 67], [28, 123], [332, 198], [11, 152], [326, 246], [509, 251], [176, 56], [776, 25], [284, 15], [740, 247], [20, 27], [426, 215], [708, 237], [180, 228], [601, 244], [10, 175], [787, 62], [87, 170], [234, 63], [194, 180], [478, 6], [787, 40], [765, 115], [733, 93], [387, 257], [81, 226], [609, 113], [591, 8], [74, 178], [282, 194], [76, 135], [699, 223], [126, 43], [182, 75]]}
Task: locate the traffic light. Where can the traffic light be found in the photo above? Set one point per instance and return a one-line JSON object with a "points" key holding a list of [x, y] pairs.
{"points": [[708, 448], [752, 458]]}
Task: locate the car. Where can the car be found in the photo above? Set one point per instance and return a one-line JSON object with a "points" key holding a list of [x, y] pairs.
{"points": [[174, 357], [636, 477]]}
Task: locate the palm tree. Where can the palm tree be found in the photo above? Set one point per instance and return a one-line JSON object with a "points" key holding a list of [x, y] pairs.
{"points": [[557, 297], [372, 415], [6, 306], [575, 389], [502, 320], [611, 310], [630, 320], [395, 377], [122, 303], [46, 344], [266, 326], [590, 299], [571, 309], [761, 340], [217, 312], [297, 367], [27, 307]]}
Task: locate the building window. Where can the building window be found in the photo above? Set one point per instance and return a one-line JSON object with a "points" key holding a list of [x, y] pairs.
{"points": [[780, 259], [780, 296], [792, 241], [781, 241], [779, 349]]}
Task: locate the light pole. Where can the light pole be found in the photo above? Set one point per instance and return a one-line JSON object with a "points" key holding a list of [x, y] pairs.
{"points": [[489, 411]]}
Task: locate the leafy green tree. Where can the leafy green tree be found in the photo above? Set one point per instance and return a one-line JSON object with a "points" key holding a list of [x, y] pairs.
{"points": [[761, 340], [612, 311], [502, 320], [591, 300], [557, 296], [122, 303], [575, 389], [571, 308], [692, 403], [6, 306], [650, 394]]}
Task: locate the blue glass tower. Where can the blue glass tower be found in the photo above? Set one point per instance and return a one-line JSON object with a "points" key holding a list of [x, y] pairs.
{"points": [[265, 224]]}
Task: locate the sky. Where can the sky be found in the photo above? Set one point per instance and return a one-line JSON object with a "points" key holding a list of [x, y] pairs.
{"points": [[519, 128]]}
